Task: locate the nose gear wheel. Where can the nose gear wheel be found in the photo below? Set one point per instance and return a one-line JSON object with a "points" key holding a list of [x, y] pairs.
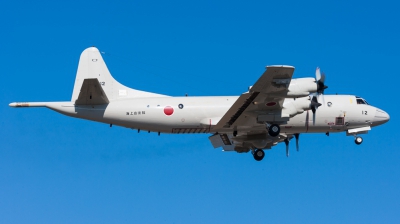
{"points": [[358, 140]]}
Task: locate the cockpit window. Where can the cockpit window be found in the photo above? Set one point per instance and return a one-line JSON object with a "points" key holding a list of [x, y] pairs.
{"points": [[361, 100]]}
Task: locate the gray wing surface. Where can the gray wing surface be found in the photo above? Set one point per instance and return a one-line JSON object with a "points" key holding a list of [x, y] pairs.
{"points": [[266, 95], [264, 98]]}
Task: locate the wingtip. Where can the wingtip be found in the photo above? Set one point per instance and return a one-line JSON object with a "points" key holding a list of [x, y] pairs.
{"points": [[19, 104], [280, 66], [27, 104]]}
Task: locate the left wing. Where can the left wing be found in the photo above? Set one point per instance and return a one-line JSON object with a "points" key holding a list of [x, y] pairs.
{"points": [[265, 96]]}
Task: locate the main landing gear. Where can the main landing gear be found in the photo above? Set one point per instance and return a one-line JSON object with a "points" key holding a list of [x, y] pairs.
{"points": [[273, 130], [358, 140], [258, 154]]}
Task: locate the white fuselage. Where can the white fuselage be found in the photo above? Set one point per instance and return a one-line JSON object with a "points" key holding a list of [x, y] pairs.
{"points": [[200, 114]]}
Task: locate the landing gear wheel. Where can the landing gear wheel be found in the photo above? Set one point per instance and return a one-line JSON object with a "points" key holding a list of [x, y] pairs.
{"points": [[258, 154], [274, 130], [234, 133], [358, 140]]}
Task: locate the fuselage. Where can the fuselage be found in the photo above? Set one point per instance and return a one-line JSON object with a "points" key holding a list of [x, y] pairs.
{"points": [[200, 114]]}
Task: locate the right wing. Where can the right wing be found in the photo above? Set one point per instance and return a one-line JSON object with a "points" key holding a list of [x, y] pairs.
{"points": [[266, 95], [263, 103]]}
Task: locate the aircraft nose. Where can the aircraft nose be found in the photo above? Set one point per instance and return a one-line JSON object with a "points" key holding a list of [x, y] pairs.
{"points": [[381, 117]]}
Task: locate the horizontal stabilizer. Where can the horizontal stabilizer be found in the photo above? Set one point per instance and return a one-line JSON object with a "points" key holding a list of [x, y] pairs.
{"points": [[27, 104], [91, 93]]}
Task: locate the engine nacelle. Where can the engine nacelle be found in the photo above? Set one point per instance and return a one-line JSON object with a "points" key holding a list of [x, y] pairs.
{"points": [[293, 107], [302, 87]]}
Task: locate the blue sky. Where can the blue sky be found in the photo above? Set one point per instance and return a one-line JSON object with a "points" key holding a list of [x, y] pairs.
{"points": [[56, 169]]}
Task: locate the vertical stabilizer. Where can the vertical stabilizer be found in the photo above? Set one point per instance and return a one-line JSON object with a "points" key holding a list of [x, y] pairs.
{"points": [[92, 66]]}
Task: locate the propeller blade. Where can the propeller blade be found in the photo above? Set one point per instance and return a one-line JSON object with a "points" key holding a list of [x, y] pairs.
{"points": [[313, 119], [314, 107], [317, 74], [297, 135], [323, 98], [307, 119], [314, 103], [287, 147], [320, 80]]}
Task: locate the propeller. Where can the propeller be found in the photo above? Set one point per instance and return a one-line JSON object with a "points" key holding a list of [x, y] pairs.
{"points": [[287, 143], [287, 147], [297, 135], [314, 106], [320, 80]]}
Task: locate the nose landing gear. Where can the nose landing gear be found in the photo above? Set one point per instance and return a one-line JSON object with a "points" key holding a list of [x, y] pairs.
{"points": [[358, 140]]}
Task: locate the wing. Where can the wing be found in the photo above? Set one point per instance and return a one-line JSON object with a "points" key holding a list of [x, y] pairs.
{"points": [[91, 93], [264, 98]]}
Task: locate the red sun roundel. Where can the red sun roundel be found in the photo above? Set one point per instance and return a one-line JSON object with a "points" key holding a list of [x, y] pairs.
{"points": [[168, 110]]}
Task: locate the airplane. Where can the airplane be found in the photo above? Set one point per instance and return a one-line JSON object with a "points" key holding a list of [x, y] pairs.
{"points": [[277, 108]]}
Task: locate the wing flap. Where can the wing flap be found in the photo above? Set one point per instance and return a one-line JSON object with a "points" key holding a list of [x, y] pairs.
{"points": [[237, 109], [91, 93]]}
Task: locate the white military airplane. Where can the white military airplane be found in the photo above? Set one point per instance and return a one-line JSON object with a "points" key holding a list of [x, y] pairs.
{"points": [[275, 109]]}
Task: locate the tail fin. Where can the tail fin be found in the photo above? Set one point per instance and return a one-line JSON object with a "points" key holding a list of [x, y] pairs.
{"points": [[92, 66]]}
